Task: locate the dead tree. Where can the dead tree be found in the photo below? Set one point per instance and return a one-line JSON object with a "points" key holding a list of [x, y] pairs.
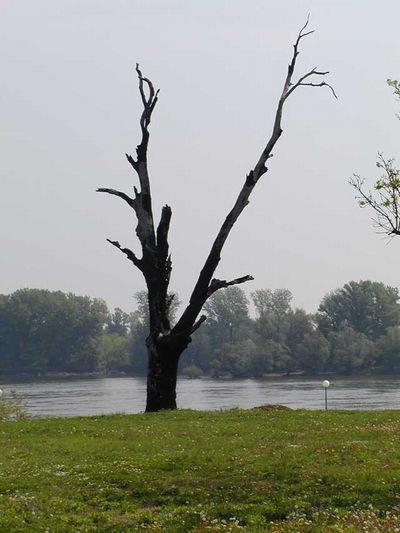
{"points": [[165, 344]]}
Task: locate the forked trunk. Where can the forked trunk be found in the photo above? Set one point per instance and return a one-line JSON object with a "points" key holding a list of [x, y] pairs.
{"points": [[164, 345], [163, 360]]}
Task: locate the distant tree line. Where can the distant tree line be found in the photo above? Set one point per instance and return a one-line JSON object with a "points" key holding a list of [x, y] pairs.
{"points": [[356, 329]]}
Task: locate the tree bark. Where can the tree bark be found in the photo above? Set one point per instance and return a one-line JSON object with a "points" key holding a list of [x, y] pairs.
{"points": [[163, 360]]}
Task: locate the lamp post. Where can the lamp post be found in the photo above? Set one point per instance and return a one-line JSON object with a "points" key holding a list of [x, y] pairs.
{"points": [[326, 386]]}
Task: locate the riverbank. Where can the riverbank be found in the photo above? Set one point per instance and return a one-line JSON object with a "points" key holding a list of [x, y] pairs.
{"points": [[186, 471], [99, 396]]}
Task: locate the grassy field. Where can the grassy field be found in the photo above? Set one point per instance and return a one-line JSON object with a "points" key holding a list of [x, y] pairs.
{"points": [[202, 471]]}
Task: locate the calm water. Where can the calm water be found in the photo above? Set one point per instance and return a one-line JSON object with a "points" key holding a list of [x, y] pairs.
{"points": [[73, 397]]}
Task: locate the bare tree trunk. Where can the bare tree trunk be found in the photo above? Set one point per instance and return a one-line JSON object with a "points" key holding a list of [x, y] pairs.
{"points": [[165, 345], [163, 360]]}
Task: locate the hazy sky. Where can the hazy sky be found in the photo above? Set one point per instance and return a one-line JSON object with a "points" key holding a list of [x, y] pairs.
{"points": [[69, 111]]}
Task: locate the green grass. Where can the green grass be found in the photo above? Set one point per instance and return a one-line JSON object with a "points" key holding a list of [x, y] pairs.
{"points": [[202, 471]]}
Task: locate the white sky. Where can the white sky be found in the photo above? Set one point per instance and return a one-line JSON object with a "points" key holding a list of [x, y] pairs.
{"points": [[69, 111]]}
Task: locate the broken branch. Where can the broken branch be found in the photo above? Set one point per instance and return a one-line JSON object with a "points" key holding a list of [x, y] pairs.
{"points": [[197, 324], [129, 254], [130, 201], [217, 284]]}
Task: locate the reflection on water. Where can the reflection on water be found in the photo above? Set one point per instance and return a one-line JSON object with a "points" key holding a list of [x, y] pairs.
{"points": [[76, 397]]}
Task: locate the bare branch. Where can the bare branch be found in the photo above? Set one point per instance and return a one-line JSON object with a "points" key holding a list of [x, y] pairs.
{"points": [[129, 254], [322, 84], [130, 201], [301, 34], [313, 72], [148, 102], [217, 284], [163, 229], [141, 89], [143, 202], [132, 162], [198, 323], [202, 287]]}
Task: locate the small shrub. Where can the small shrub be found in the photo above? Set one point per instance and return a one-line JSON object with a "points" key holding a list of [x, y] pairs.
{"points": [[12, 407]]}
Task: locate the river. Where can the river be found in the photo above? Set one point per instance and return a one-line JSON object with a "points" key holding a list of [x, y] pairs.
{"points": [[95, 396]]}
